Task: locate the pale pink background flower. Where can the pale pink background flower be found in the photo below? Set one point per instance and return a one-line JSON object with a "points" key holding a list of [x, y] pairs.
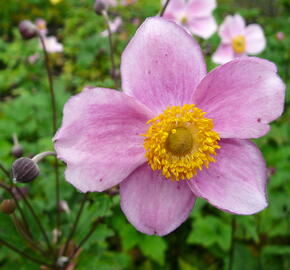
{"points": [[234, 28], [100, 137], [52, 45], [107, 3], [127, 2], [195, 15], [280, 35], [41, 25], [114, 26]]}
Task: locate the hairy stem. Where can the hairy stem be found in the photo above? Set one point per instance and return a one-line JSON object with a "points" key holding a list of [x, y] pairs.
{"points": [[232, 248], [76, 222], [85, 239], [22, 232], [23, 254], [9, 190], [54, 124], [42, 155], [35, 217], [164, 8], [3, 169], [114, 74]]}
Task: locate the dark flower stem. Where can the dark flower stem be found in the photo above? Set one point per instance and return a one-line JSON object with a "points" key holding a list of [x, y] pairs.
{"points": [[23, 254], [22, 232], [75, 223], [114, 73], [35, 217], [4, 170], [164, 8], [9, 190], [54, 125], [84, 240], [42, 155], [232, 248]]}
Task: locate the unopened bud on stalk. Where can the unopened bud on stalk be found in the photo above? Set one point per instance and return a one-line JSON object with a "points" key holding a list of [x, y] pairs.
{"points": [[24, 170], [27, 29], [8, 206], [17, 149], [63, 207], [61, 261], [99, 6]]}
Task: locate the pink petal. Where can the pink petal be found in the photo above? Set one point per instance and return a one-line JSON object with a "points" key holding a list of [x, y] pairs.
{"points": [[203, 27], [255, 39], [223, 54], [242, 97], [201, 8], [174, 7], [100, 138], [236, 182], [158, 72], [154, 204], [231, 27]]}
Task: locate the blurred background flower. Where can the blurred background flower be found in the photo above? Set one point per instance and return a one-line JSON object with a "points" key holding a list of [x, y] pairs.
{"points": [[195, 15], [238, 40]]}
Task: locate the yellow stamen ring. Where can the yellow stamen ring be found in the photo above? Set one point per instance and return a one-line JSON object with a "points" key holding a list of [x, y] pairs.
{"points": [[239, 44], [179, 141]]}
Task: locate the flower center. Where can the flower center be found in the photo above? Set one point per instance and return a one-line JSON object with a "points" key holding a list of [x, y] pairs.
{"points": [[239, 44], [183, 20], [179, 141]]}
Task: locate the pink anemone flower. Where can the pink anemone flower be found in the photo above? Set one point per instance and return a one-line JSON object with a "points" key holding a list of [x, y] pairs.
{"points": [[106, 3], [115, 26], [175, 133], [238, 40], [194, 15], [127, 2]]}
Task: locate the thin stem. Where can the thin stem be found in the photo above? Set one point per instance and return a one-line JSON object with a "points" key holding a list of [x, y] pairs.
{"points": [[54, 124], [164, 8], [76, 222], [50, 82], [22, 232], [85, 239], [3, 169], [9, 190], [23, 254], [35, 217], [114, 74], [42, 155], [232, 248], [15, 139]]}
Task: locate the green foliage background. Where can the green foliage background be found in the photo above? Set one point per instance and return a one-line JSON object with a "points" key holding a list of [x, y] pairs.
{"points": [[204, 241]]}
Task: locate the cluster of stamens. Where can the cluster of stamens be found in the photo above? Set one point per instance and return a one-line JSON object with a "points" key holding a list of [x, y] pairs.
{"points": [[180, 141], [239, 44]]}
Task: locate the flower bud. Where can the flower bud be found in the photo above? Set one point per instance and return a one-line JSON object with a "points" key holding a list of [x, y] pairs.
{"points": [[8, 206], [24, 170], [63, 207], [99, 6], [27, 29], [61, 261], [17, 151]]}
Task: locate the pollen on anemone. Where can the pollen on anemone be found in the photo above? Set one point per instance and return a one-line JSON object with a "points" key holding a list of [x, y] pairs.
{"points": [[175, 133], [238, 40]]}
